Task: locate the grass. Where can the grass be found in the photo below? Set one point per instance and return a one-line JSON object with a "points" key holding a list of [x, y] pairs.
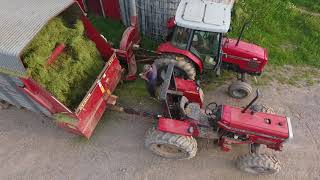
{"points": [[295, 76], [210, 81], [290, 36], [71, 76], [112, 30], [312, 5]]}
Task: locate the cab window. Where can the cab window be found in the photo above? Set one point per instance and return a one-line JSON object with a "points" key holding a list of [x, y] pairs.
{"points": [[180, 37], [205, 44]]}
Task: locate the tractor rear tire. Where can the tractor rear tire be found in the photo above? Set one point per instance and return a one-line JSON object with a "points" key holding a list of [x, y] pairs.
{"points": [[240, 89], [260, 164], [171, 146], [181, 63]]}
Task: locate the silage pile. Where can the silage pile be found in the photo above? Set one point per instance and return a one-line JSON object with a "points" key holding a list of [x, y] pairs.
{"points": [[75, 70]]}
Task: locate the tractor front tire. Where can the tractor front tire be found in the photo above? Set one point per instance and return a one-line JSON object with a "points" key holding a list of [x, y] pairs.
{"points": [[182, 64], [171, 146], [259, 164], [239, 89]]}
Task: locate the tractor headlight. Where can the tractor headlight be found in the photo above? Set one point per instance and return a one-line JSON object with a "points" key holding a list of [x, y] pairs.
{"points": [[290, 132]]}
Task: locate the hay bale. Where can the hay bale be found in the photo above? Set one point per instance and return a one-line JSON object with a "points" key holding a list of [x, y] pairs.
{"points": [[74, 71]]}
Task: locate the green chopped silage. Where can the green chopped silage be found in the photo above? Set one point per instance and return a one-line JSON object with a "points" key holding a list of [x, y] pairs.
{"points": [[75, 70]]}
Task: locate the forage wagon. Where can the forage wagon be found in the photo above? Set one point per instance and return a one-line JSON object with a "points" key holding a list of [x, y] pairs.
{"points": [[24, 21]]}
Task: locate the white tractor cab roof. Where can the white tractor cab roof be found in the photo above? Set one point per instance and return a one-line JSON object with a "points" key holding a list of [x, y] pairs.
{"points": [[205, 15]]}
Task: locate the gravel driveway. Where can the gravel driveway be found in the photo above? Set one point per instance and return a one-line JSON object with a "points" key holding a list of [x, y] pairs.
{"points": [[32, 147]]}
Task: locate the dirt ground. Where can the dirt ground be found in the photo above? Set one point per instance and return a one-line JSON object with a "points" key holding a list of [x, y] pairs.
{"points": [[32, 147]]}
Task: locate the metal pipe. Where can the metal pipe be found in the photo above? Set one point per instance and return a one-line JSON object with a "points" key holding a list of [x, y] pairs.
{"points": [[253, 101], [241, 33], [133, 8], [102, 8]]}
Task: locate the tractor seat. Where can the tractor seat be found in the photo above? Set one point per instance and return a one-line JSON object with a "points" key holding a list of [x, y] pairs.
{"points": [[192, 110]]}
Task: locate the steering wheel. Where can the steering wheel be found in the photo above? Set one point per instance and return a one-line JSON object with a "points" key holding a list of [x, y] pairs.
{"points": [[211, 109]]}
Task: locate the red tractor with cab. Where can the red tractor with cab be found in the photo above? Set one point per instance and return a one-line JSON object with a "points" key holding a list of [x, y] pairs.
{"points": [[196, 43], [185, 119]]}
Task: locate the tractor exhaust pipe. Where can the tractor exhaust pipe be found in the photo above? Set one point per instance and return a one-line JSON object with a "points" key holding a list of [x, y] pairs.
{"points": [[253, 101], [133, 8], [241, 32], [133, 13]]}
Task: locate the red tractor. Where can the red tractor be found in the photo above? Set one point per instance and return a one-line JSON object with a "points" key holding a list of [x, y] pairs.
{"points": [[184, 120], [197, 44]]}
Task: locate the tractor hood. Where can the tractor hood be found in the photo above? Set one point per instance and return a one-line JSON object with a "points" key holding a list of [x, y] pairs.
{"points": [[249, 57]]}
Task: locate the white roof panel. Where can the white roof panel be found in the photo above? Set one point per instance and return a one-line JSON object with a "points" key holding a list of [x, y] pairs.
{"points": [[205, 15], [215, 15], [192, 11]]}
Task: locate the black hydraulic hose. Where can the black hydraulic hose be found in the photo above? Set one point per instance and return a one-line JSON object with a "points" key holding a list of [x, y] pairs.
{"points": [[241, 33]]}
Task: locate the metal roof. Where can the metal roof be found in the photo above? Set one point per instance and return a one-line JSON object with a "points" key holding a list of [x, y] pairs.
{"points": [[205, 15], [20, 21]]}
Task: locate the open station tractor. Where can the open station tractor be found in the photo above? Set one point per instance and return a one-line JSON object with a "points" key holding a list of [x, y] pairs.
{"points": [[184, 119]]}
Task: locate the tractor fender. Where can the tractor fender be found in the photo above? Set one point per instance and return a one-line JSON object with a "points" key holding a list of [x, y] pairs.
{"points": [[169, 48]]}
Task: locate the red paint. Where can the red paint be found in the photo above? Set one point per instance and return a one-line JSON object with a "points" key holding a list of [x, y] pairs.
{"points": [[93, 105], [103, 47], [55, 54], [43, 97], [234, 118], [174, 126], [169, 48], [108, 8], [130, 37], [90, 111], [245, 51], [111, 9], [171, 23], [254, 126], [189, 89], [249, 51], [225, 145], [94, 7]]}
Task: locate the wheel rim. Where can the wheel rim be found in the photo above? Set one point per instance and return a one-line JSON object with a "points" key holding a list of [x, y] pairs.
{"points": [[239, 93], [168, 150], [259, 170]]}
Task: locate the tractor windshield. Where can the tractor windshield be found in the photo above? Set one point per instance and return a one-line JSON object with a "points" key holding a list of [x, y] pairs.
{"points": [[204, 45]]}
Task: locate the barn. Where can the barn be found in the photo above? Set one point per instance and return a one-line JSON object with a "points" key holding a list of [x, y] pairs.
{"points": [[106, 8]]}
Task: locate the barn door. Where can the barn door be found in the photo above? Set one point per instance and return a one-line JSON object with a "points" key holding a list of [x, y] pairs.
{"points": [[94, 7], [111, 9], [106, 8]]}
